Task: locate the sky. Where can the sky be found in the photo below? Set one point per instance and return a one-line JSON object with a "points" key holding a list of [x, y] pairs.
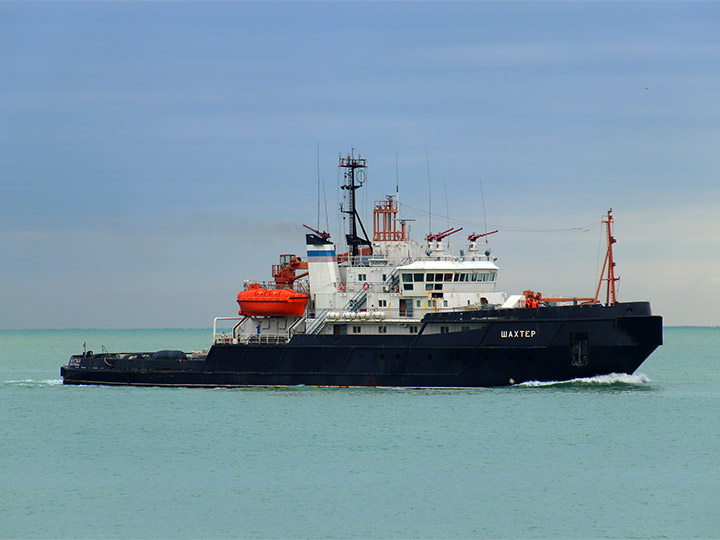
{"points": [[153, 156]]}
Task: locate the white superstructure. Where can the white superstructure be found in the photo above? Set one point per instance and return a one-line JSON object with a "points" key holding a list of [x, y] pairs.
{"points": [[387, 286], [397, 280]]}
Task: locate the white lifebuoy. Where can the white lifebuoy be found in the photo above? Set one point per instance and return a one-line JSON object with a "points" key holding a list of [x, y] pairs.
{"points": [[366, 286], [341, 287]]}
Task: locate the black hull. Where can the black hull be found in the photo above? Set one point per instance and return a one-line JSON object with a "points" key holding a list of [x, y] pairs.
{"points": [[489, 348]]}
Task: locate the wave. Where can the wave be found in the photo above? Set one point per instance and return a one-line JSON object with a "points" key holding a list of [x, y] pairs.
{"points": [[636, 379], [35, 382]]}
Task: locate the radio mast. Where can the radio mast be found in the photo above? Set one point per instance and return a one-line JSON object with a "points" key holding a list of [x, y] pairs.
{"points": [[354, 179]]}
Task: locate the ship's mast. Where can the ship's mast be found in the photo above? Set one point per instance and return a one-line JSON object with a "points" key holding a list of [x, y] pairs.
{"points": [[609, 264], [354, 172]]}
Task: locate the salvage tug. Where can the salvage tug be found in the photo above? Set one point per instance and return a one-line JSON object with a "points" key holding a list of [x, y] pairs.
{"points": [[394, 312]]}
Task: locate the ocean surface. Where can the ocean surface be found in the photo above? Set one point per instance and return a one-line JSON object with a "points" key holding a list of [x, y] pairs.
{"points": [[626, 456]]}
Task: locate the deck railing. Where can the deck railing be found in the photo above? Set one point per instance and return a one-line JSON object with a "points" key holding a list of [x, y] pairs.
{"points": [[299, 286]]}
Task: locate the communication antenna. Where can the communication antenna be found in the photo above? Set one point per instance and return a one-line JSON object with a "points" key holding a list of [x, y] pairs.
{"points": [[427, 161], [482, 194], [447, 204], [318, 184], [354, 172], [327, 219], [397, 177]]}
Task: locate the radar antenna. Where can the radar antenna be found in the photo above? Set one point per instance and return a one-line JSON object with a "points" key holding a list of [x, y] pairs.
{"points": [[354, 178]]}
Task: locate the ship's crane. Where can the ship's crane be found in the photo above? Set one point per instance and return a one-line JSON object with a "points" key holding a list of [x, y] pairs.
{"points": [[324, 235], [284, 273]]}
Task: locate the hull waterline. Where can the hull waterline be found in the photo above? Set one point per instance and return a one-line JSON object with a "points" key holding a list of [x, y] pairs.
{"points": [[564, 344]]}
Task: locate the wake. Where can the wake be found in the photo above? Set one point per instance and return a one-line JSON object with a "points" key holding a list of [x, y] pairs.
{"points": [[637, 379], [34, 382]]}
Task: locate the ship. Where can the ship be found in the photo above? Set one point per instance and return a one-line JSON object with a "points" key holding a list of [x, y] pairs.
{"points": [[392, 312]]}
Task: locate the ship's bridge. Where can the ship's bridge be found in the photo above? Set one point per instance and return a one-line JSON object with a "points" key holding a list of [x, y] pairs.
{"points": [[421, 277]]}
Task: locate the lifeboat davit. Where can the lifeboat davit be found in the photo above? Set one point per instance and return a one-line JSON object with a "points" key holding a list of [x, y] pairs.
{"points": [[257, 301]]}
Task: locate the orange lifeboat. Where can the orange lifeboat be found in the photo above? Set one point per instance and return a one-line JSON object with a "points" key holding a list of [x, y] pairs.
{"points": [[258, 301]]}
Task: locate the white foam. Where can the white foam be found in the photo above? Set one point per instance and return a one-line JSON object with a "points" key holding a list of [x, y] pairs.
{"points": [[612, 378], [33, 382]]}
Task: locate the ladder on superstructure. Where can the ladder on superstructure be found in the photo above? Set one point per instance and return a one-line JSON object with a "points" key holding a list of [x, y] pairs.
{"points": [[353, 304]]}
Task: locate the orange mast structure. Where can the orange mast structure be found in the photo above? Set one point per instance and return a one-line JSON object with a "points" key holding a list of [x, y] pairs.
{"points": [[611, 294], [610, 278], [385, 222]]}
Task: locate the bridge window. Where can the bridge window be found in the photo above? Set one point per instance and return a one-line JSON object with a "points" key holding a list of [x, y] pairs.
{"points": [[448, 277], [457, 277], [418, 277], [407, 287], [407, 278], [430, 277]]}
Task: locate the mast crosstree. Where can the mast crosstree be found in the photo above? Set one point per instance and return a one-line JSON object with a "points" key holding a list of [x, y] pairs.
{"points": [[354, 179]]}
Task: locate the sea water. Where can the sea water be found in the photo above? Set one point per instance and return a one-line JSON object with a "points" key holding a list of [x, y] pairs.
{"points": [[620, 456]]}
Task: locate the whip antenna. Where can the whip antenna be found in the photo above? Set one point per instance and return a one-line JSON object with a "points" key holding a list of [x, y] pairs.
{"points": [[427, 161], [318, 184], [482, 194]]}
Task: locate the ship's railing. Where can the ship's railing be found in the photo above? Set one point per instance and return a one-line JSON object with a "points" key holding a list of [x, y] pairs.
{"points": [[371, 260], [318, 322], [351, 305], [235, 335], [408, 311], [361, 260], [360, 286], [226, 335], [253, 339], [361, 290], [299, 286], [264, 339], [393, 280], [357, 299]]}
